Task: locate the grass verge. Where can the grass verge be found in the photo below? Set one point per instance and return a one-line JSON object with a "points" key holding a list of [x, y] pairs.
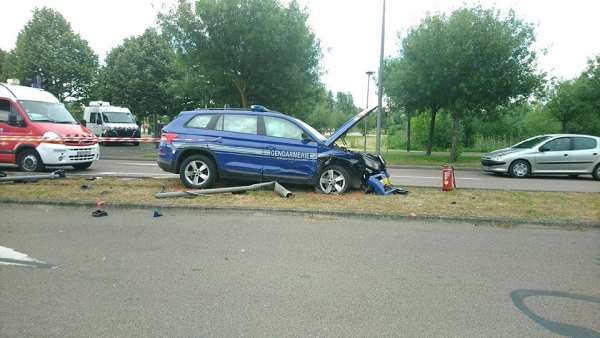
{"points": [[419, 201]]}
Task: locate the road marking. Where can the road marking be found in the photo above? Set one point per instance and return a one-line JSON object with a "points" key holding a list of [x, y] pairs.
{"points": [[131, 163], [437, 178], [9, 256]]}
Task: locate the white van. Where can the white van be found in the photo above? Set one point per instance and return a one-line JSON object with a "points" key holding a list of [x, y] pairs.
{"points": [[108, 121], [36, 130]]}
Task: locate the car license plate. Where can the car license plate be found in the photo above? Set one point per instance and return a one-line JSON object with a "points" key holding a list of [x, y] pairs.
{"points": [[486, 168], [84, 153]]}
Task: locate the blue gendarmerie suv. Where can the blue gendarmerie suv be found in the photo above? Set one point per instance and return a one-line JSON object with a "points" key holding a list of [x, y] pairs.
{"points": [[256, 144]]}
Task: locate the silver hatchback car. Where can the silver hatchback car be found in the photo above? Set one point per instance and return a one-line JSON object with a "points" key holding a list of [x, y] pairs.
{"points": [[568, 154]]}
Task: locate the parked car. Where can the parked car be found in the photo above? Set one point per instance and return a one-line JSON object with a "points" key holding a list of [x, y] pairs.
{"points": [[569, 154], [256, 144]]}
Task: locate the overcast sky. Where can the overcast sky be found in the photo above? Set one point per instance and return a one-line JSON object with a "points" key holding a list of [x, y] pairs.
{"points": [[350, 30]]}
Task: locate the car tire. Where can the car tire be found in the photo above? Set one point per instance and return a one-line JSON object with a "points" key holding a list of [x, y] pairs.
{"points": [[334, 179], [30, 161], [519, 169], [198, 172], [81, 166], [596, 172]]}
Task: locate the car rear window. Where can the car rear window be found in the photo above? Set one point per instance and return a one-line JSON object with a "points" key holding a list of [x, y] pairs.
{"points": [[247, 124], [582, 143], [199, 121]]}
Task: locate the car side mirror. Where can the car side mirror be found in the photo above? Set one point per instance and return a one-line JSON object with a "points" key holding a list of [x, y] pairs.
{"points": [[12, 120], [99, 121], [543, 149], [84, 122], [306, 138]]}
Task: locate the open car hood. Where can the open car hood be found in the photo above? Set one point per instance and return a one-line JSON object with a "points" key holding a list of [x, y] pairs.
{"points": [[348, 125]]}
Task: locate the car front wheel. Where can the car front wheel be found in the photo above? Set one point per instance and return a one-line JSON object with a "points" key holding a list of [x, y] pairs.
{"points": [[30, 161], [596, 172], [198, 172], [334, 180], [519, 169]]}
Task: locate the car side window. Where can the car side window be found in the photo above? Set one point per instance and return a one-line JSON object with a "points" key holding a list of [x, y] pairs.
{"points": [[92, 118], [199, 121], [277, 127], [6, 107], [247, 124], [4, 111], [582, 143], [559, 144]]}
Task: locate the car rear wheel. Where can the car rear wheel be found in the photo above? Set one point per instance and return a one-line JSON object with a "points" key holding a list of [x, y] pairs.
{"points": [[198, 172], [29, 161], [596, 172], [334, 180], [519, 169]]}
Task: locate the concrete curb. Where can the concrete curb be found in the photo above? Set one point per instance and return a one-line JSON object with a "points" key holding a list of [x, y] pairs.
{"points": [[474, 221]]}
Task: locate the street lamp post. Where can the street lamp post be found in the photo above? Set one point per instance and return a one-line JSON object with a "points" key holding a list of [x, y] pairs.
{"points": [[369, 73], [380, 98]]}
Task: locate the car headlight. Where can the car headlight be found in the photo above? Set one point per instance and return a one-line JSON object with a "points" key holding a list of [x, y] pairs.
{"points": [[51, 137], [372, 164], [108, 128], [497, 158]]}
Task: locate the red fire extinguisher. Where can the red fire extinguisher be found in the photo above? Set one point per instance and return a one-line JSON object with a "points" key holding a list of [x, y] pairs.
{"points": [[448, 180]]}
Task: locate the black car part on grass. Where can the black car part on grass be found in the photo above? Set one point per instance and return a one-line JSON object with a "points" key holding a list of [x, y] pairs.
{"points": [[54, 175]]}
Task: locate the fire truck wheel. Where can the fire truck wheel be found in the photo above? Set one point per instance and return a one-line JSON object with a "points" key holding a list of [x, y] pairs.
{"points": [[29, 161]]}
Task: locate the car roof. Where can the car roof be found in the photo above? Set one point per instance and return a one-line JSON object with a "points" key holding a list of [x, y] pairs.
{"points": [[231, 111], [567, 135]]}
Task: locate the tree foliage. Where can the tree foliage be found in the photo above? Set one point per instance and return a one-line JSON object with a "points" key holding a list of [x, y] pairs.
{"points": [[137, 74], [248, 51], [2, 57], [47, 47], [466, 63]]}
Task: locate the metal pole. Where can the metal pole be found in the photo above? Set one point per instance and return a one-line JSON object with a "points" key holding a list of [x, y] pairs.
{"points": [[378, 143], [369, 73]]}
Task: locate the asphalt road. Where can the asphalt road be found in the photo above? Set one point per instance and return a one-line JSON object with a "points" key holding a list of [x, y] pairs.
{"points": [[190, 274]]}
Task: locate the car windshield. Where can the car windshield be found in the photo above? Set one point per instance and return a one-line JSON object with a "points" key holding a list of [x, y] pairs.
{"points": [[530, 143], [45, 112], [118, 117], [312, 130]]}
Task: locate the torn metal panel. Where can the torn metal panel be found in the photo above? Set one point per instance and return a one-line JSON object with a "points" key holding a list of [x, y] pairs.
{"points": [[54, 175], [278, 188]]}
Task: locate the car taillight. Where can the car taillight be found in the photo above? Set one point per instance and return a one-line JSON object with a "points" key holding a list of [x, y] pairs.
{"points": [[168, 137]]}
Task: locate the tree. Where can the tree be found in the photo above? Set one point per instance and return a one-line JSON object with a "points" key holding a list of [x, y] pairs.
{"points": [[259, 50], [466, 63], [567, 104], [2, 57], [137, 74], [47, 47]]}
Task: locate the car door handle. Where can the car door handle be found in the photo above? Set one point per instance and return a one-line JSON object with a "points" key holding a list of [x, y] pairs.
{"points": [[566, 155], [217, 140], [270, 147]]}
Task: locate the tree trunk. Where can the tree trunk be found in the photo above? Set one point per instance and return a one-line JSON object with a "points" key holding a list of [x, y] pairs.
{"points": [[408, 132], [431, 130], [455, 137]]}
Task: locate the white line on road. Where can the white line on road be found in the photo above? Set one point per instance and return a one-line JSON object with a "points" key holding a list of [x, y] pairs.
{"points": [[9, 256], [138, 163]]}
